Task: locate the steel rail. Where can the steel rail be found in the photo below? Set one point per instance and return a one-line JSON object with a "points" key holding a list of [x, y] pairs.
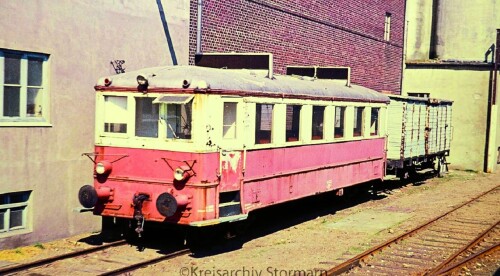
{"points": [[473, 257], [356, 260], [470, 245], [146, 263], [21, 267]]}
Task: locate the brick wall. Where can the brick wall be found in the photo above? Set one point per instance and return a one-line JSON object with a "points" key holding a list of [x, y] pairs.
{"points": [[321, 32]]}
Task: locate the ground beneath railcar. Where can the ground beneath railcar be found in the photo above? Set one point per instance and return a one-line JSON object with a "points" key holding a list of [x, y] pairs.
{"points": [[315, 233]]}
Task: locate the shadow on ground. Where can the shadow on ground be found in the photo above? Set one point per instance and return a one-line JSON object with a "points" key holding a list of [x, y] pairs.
{"points": [[214, 240]]}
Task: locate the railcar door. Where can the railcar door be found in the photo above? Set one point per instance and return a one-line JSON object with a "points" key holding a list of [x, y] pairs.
{"points": [[231, 164]]}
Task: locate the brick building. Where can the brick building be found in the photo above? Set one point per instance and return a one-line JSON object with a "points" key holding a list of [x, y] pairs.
{"points": [[366, 37]]}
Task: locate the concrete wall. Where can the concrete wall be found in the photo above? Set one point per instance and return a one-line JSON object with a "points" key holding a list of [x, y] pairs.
{"points": [[451, 29], [469, 91], [466, 29], [418, 28], [445, 54], [323, 32], [81, 37]]}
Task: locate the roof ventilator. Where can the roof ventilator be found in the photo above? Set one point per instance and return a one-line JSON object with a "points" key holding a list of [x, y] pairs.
{"points": [[337, 73], [250, 61]]}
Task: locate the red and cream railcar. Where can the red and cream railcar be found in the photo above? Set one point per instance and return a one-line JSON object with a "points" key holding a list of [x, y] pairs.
{"points": [[200, 146]]}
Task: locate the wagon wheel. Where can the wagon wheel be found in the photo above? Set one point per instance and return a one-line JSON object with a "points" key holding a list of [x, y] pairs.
{"points": [[442, 167]]}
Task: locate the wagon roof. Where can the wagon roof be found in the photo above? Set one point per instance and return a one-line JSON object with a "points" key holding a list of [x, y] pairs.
{"points": [[420, 99], [202, 78]]}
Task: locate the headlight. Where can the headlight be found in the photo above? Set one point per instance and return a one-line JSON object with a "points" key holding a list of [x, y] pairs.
{"points": [[103, 167], [182, 173]]}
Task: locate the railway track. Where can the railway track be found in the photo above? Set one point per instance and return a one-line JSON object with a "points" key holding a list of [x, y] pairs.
{"points": [[111, 259], [436, 247]]}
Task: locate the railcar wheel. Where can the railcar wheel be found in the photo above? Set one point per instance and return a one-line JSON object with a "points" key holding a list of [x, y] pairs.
{"points": [[126, 229]]}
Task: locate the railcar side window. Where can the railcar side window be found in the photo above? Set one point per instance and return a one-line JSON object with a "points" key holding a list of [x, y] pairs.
{"points": [[263, 123], [229, 121], [358, 121], [374, 122], [339, 121], [146, 118], [292, 122], [179, 118], [318, 122], [115, 114]]}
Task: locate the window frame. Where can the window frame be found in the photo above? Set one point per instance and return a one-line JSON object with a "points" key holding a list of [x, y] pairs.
{"points": [[321, 108], [153, 106], [377, 121], [129, 126], [298, 123], [361, 121], [271, 131], [25, 204], [235, 123], [387, 26], [23, 119], [164, 109], [343, 110]]}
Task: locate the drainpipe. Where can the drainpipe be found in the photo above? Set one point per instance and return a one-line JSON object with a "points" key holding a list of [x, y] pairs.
{"points": [[492, 113], [495, 70], [198, 27], [405, 48], [433, 51]]}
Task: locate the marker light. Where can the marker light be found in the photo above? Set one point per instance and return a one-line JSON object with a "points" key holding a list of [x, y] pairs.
{"points": [[141, 80], [103, 167]]}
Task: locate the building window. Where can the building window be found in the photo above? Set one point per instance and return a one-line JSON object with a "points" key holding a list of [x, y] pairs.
{"points": [[318, 122], [387, 27], [146, 117], [358, 121], [229, 121], [13, 211], [374, 122], [339, 121], [292, 122], [263, 123], [23, 86], [115, 114]]}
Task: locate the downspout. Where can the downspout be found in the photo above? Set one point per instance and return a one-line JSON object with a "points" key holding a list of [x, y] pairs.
{"points": [[405, 48], [495, 70], [492, 113], [198, 27], [433, 51]]}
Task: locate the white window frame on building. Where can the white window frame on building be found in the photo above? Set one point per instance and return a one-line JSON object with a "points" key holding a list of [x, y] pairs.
{"points": [[14, 202], [387, 27], [27, 83]]}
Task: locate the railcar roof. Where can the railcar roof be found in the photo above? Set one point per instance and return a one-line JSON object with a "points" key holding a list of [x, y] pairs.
{"points": [[172, 77]]}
